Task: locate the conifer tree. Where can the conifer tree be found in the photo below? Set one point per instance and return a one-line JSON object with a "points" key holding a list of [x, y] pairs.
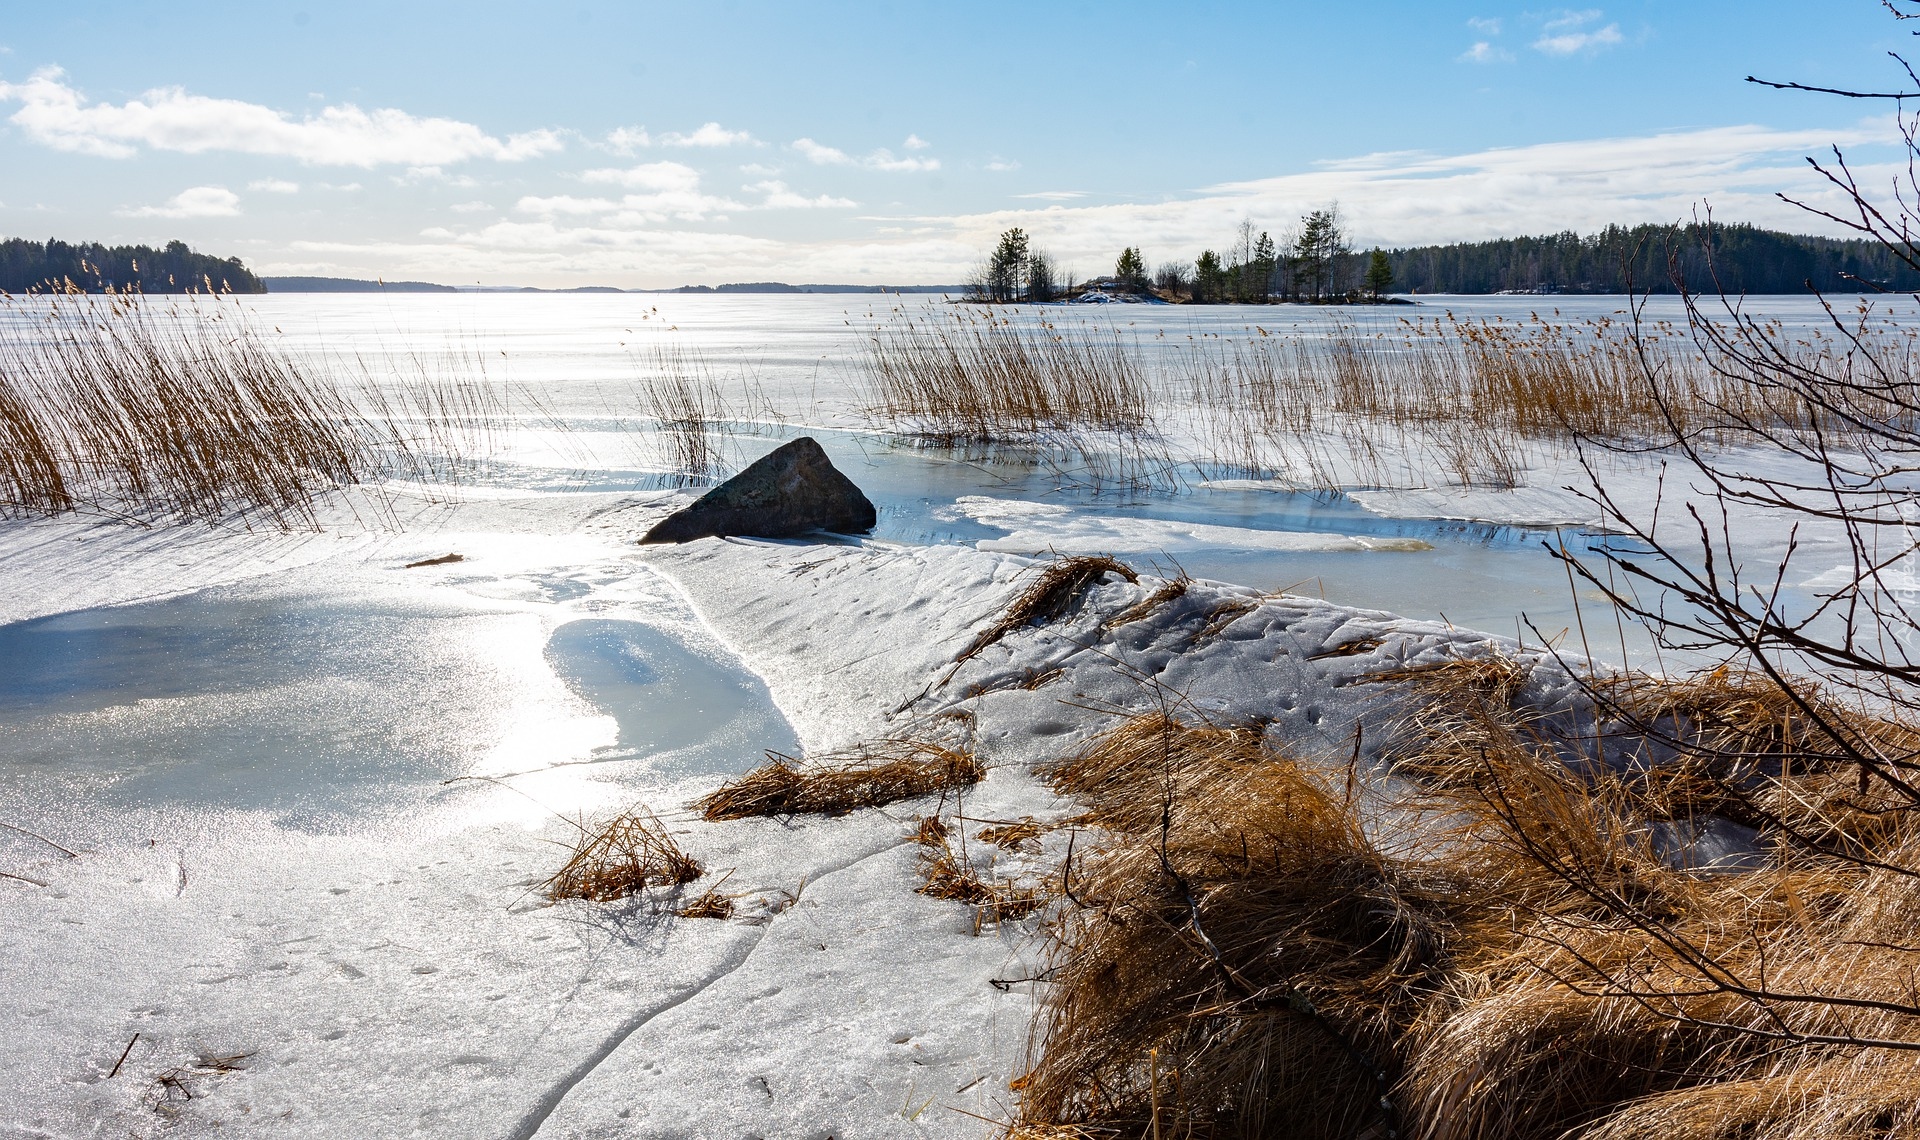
{"points": [[1379, 273]]}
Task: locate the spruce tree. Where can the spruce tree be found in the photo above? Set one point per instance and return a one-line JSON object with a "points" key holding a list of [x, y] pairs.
{"points": [[1379, 273]]}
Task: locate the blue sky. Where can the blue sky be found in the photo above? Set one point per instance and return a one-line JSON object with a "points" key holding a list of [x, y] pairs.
{"points": [[647, 144]]}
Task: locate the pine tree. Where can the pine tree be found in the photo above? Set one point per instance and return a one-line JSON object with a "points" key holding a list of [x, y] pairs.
{"points": [[1131, 269], [1007, 267], [1379, 273]]}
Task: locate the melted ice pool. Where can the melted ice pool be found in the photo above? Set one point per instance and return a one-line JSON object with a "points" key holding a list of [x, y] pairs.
{"points": [[320, 705]]}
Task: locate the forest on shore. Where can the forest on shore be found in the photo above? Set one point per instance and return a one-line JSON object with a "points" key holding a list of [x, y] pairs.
{"points": [[56, 267]]}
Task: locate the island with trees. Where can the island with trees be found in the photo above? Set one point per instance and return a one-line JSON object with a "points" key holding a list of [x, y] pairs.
{"points": [[88, 267], [1314, 262]]}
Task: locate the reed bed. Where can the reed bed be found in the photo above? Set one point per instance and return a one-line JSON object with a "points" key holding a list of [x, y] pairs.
{"points": [[681, 396], [871, 775], [976, 378], [118, 405], [1366, 402], [1240, 956]]}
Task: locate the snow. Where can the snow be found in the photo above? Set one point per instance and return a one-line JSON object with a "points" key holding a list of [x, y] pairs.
{"points": [[313, 792]]}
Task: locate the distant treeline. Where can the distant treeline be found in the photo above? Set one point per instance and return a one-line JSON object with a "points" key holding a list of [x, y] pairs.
{"points": [[1745, 259], [56, 266]]}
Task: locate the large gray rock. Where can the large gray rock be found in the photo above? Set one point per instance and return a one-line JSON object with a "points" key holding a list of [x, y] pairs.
{"points": [[792, 490]]}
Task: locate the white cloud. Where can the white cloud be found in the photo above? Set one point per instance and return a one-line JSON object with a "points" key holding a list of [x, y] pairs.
{"points": [[915, 142], [1003, 164], [198, 202], [882, 159], [708, 135], [274, 186], [415, 175], [1485, 25], [1568, 34], [55, 114], [776, 196], [470, 207], [1389, 199], [822, 155], [626, 140], [655, 176], [1055, 195], [1484, 52]]}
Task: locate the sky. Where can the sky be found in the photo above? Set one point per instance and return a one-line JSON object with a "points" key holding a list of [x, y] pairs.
{"points": [[651, 145]]}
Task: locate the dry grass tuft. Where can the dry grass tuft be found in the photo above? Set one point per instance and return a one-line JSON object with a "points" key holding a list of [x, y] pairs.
{"points": [[622, 858], [1059, 586], [1170, 590], [443, 560], [950, 876], [931, 831], [1524, 959], [708, 904], [1013, 836], [872, 775]]}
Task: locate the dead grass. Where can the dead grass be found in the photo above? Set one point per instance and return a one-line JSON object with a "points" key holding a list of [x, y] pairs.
{"points": [[1170, 590], [872, 775], [1241, 958], [973, 378], [708, 904], [1050, 596], [684, 401], [1013, 836], [622, 858], [127, 407], [950, 876]]}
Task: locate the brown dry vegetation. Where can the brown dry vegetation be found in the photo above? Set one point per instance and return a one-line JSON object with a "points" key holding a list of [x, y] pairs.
{"points": [[1373, 402], [1051, 595], [871, 775], [621, 858], [118, 405], [1512, 958], [972, 377]]}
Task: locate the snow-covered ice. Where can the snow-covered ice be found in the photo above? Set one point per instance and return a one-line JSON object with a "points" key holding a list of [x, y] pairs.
{"points": [[312, 792]]}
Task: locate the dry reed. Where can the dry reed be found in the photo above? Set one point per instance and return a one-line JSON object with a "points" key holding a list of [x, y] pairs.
{"points": [[116, 405], [1050, 596], [1530, 959], [871, 775], [622, 858]]}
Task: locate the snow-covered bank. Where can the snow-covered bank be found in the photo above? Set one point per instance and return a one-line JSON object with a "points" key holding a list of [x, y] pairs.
{"points": [[396, 973]]}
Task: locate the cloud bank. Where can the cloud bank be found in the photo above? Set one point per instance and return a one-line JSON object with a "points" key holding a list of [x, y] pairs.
{"points": [[55, 114]]}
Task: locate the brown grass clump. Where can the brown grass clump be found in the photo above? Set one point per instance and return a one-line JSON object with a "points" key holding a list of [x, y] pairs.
{"points": [[622, 858], [1167, 591], [1243, 958], [869, 776], [1051, 595], [1012, 836], [950, 876], [708, 904], [931, 831]]}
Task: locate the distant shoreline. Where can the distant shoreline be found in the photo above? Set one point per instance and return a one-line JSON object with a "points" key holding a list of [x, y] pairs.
{"points": [[356, 285]]}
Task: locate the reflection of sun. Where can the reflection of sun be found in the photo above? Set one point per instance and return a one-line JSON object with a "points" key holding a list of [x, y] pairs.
{"points": [[540, 723]]}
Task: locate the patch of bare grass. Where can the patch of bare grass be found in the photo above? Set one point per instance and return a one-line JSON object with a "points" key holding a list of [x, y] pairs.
{"points": [[1050, 596], [1527, 959], [871, 775], [622, 858]]}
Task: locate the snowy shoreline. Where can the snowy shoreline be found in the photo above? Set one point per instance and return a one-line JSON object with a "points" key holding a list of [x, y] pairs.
{"points": [[403, 975]]}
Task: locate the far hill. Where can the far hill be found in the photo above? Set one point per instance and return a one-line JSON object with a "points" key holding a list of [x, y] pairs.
{"points": [[350, 285], [56, 266]]}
